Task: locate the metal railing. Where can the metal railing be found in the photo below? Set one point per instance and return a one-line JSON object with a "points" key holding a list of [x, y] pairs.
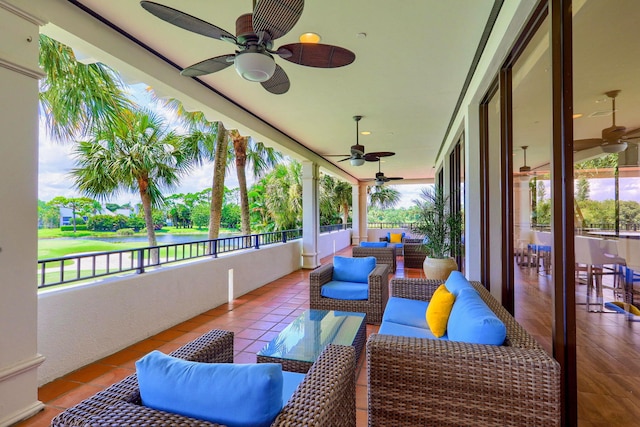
{"points": [[334, 227], [389, 225], [73, 268]]}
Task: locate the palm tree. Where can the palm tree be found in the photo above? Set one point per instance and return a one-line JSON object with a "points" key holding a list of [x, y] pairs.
{"points": [[139, 153], [283, 195], [384, 197], [261, 158], [343, 194], [76, 97]]}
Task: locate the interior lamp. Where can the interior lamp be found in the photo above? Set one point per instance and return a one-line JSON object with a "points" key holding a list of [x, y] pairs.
{"points": [[255, 66], [359, 161], [616, 147]]}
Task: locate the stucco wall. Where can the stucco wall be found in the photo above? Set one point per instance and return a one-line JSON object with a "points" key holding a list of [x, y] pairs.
{"points": [[80, 324]]}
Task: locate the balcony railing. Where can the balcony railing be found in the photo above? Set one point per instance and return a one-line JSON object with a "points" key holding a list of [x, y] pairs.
{"points": [[58, 271]]}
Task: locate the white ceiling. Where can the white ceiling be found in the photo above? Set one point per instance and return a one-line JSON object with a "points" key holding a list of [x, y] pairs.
{"points": [[408, 74]]}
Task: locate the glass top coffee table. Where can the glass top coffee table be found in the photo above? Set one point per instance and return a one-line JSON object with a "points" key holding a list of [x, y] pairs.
{"points": [[299, 344]]}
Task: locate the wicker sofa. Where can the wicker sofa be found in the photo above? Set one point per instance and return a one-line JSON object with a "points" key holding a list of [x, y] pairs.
{"points": [[313, 403], [373, 306], [382, 255], [419, 381]]}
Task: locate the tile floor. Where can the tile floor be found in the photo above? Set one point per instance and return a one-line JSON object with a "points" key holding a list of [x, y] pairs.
{"points": [[255, 318]]}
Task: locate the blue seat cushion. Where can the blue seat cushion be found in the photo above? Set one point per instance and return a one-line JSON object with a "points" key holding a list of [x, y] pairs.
{"points": [[345, 290], [397, 329], [353, 269], [224, 393], [405, 311], [457, 282], [373, 244], [290, 382], [472, 321]]}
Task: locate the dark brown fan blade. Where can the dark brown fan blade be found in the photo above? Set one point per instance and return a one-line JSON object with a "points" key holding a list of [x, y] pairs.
{"points": [[631, 134], [276, 17], [183, 20], [392, 178], [585, 144], [344, 160], [375, 156], [318, 55], [278, 83], [208, 66]]}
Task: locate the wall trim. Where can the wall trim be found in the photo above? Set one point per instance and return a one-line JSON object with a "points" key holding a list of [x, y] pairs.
{"points": [[23, 414], [29, 72], [22, 366], [21, 13]]}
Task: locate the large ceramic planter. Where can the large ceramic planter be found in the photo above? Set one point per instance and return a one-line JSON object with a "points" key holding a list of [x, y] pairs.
{"points": [[439, 268]]}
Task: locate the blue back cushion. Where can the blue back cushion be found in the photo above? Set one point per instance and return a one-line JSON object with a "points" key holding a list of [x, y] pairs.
{"points": [[373, 244], [456, 282], [404, 311], [472, 321], [224, 393], [353, 269]]}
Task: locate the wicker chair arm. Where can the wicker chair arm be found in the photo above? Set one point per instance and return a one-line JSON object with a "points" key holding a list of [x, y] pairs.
{"points": [[326, 397], [128, 414], [414, 381], [214, 346], [379, 285]]}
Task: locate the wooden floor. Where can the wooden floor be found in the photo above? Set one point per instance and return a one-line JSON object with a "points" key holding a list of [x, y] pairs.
{"points": [[608, 347]]}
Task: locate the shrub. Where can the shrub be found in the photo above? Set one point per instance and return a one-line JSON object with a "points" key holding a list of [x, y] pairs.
{"points": [[125, 232]]}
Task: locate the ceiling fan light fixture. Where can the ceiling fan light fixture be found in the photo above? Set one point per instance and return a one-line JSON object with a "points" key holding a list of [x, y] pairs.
{"points": [[617, 147], [309, 38], [255, 66], [358, 161]]}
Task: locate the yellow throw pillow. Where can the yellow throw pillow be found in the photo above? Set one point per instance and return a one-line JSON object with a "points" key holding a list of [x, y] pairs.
{"points": [[439, 309], [395, 237]]}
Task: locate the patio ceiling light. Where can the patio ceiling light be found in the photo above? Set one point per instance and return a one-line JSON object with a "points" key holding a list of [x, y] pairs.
{"points": [[255, 66], [309, 38]]}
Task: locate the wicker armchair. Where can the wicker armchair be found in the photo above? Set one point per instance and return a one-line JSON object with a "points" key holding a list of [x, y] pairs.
{"points": [[426, 382], [382, 255], [313, 403], [373, 306], [414, 254]]}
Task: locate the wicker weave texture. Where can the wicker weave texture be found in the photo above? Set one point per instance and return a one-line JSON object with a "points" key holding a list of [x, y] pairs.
{"points": [[373, 306], [414, 253], [326, 397], [415, 381], [382, 255]]}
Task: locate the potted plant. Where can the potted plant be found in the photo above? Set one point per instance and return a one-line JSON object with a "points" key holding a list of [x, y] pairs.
{"points": [[442, 232]]}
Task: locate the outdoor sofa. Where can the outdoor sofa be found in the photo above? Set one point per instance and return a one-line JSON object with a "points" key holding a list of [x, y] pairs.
{"points": [[312, 403], [438, 381]]}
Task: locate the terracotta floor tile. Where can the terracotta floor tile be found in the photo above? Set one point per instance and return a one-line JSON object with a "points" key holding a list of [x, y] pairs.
{"points": [[146, 346], [239, 344], [244, 357], [252, 334], [265, 326], [55, 389], [169, 347], [255, 347], [76, 395], [111, 377], [187, 337], [362, 419], [361, 397], [121, 357], [167, 335], [87, 373], [276, 318]]}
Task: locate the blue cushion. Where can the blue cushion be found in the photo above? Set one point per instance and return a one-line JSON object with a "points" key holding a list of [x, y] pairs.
{"points": [[472, 321], [392, 328], [456, 282], [405, 311], [224, 393], [353, 269], [345, 290], [290, 382], [373, 244]]}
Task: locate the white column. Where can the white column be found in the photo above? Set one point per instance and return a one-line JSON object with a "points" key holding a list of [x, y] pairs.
{"points": [[362, 214], [19, 74], [355, 217], [473, 198], [310, 215]]}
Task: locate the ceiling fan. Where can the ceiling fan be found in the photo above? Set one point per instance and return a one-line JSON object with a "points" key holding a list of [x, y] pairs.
{"points": [[380, 179], [614, 139], [358, 156], [255, 33]]}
